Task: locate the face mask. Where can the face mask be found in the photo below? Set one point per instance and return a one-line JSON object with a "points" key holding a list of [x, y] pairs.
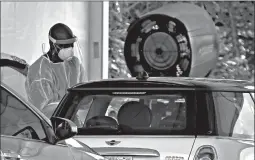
{"points": [[66, 53]]}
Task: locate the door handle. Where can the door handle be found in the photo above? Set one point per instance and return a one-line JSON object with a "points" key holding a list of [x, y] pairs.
{"points": [[10, 155]]}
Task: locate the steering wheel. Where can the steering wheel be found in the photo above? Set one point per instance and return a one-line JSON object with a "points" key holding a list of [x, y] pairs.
{"points": [[102, 122], [171, 122], [31, 130]]}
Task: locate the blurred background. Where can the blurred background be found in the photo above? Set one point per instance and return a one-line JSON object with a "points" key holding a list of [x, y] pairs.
{"points": [[234, 22], [102, 28]]}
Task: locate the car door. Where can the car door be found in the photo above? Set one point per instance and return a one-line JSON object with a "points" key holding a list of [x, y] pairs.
{"points": [[22, 133], [13, 76]]}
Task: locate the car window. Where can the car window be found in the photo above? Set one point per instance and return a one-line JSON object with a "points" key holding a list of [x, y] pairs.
{"points": [[148, 114], [17, 119], [234, 114], [159, 107], [15, 80]]}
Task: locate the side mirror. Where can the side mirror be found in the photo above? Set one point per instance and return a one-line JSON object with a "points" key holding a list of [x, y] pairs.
{"points": [[63, 128]]}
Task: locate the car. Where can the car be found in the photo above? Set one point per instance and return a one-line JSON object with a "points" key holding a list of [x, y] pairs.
{"points": [[156, 118], [163, 118], [26, 133]]}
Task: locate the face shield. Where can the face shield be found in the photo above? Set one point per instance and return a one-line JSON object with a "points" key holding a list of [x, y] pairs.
{"points": [[68, 48]]}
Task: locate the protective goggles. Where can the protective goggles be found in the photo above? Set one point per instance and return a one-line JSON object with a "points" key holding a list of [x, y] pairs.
{"points": [[66, 41]]}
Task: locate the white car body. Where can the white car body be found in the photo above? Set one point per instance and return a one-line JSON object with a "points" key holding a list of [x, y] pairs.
{"points": [[236, 145]]}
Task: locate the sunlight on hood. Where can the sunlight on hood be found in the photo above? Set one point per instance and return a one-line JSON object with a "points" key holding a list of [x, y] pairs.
{"points": [[96, 156], [72, 142]]}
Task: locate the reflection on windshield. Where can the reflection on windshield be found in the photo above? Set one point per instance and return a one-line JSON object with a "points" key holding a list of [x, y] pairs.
{"points": [[15, 116], [14, 80], [235, 114]]}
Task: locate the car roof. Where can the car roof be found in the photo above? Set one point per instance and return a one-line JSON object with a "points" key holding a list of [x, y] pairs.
{"points": [[171, 82]]}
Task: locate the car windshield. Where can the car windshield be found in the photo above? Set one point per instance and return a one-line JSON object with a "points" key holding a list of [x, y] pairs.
{"points": [[14, 80], [120, 113], [234, 114]]}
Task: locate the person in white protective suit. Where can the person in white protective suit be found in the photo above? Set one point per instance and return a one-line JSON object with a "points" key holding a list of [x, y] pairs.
{"points": [[53, 73]]}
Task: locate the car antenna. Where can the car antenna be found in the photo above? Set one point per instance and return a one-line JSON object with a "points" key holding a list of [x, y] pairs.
{"points": [[142, 75]]}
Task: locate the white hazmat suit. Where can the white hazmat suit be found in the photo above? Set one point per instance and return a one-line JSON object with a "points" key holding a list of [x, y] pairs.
{"points": [[48, 82]]}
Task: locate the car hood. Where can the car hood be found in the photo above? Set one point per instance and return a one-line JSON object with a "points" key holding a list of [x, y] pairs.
{"points": [[80, 146]]}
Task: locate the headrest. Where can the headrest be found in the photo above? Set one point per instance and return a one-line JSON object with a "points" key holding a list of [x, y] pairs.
{"points": [[134, 114]]}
